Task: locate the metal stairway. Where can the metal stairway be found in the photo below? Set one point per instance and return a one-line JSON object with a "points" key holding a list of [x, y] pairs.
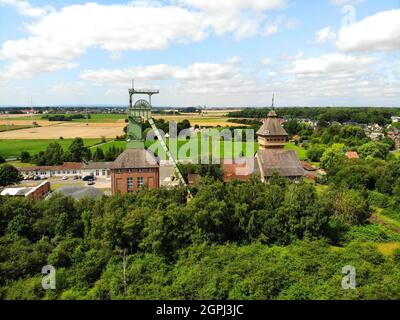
{"points": [[170, 156]]}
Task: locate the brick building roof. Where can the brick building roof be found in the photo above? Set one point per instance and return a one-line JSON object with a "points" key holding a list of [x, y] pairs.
{"points": [[308, 166], [352, 155], [239, 171], [135, 158], [65, 166]]}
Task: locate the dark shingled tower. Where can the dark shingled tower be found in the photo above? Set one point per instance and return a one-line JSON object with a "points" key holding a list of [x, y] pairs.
{"points": [[272, 157]]}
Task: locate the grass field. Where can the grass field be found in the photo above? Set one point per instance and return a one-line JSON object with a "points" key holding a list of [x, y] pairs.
{"points": [[301, 152], [10, 148], [226, 149], [13, 148]]}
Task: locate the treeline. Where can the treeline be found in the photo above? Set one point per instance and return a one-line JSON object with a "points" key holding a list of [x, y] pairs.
{"points": [[380, 116], [239, 240], [54, 154], [64, 117], [335, 140], [163, 125]]}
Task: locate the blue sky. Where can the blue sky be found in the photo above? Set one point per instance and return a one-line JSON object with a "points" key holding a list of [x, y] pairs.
{"points": [[230, 53]]}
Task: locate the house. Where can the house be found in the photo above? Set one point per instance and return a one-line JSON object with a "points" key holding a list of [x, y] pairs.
{"points": [[134, 169], [395, 136], [352, 155], [34, 193], [376, 136], [242, 170], [68, 169], [395, 119], [308, 167], [97, 169]]}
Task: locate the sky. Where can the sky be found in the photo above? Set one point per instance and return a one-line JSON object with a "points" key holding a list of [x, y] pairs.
{"points": [[220, 53]]}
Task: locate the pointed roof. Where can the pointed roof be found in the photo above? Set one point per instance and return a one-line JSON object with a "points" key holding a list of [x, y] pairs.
{"points": [[272, 125]]}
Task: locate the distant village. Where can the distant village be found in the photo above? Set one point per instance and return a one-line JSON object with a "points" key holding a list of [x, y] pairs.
{"points": [[131, 171]]}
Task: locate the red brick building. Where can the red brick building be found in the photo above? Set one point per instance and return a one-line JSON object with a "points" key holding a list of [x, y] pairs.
{"points": [[133, 170], [34, 193]]}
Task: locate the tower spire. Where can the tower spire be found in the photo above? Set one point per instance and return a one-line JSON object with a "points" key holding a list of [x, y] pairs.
{"points": [[272, 113], [273, 101]]}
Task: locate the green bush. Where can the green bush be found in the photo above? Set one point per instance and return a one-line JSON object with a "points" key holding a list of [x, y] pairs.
{"points": [[378, 199], [371, 233]]}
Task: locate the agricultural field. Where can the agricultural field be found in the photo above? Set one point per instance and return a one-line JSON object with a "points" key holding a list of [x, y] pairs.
{"points": [[13, 148], [5, 127], [107, 125], [67, 130]]}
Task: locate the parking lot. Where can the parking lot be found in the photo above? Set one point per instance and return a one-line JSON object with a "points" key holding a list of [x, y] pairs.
{"points": [[57, 182]]}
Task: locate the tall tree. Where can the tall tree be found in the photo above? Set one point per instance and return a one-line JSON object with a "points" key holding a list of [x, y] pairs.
{"points": [[98, 155], [77, 151], [9, 175]]}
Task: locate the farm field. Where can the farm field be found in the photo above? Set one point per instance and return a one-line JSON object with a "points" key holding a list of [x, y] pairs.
{"points": [[107, 125], [13, 148], [5, 127], [67, 130]]}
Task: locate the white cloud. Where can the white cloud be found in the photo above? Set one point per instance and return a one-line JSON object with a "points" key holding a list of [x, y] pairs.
{"points": [[332, 66], [346, 2], [325, 35], [194, 72], [26, 9], [59, 38], [67, 89], [266, 61], [236, 5], [298, 55], [380, 32]]}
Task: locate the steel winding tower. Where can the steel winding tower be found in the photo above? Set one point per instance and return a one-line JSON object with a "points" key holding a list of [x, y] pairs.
{"points": [[139, 112]]}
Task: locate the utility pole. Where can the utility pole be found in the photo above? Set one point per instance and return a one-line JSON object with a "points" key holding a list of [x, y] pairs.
{"points": [[32, 112], [124, 269], [8, 121]]}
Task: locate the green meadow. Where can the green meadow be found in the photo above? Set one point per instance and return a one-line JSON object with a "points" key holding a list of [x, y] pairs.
{"points": [[187, 149], [13, 148], [301, 152]]}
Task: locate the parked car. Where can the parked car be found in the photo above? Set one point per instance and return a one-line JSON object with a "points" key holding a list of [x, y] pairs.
{"points": [[36, 178], [88, 178], [91, 183], [43, 177], [65, 178], [76, 178]]}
